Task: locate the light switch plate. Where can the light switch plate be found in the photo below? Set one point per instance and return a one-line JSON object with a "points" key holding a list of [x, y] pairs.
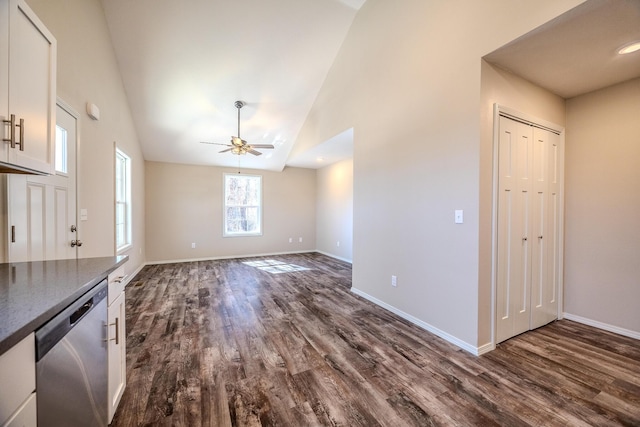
{"points": [[459, 219]]}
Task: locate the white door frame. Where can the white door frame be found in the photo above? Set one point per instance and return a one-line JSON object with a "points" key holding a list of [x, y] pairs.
{"points": [[501, 110], [73, 113]]}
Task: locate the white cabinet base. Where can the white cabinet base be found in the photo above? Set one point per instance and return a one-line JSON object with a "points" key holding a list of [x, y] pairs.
{"points": [[117, 340]]}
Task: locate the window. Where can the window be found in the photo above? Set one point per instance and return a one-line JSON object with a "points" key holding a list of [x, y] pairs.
{"points": [[123, 200], [61, 150], [242, 205]]}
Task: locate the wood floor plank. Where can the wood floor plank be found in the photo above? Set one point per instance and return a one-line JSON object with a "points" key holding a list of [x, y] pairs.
{"points": [[224, 343]]}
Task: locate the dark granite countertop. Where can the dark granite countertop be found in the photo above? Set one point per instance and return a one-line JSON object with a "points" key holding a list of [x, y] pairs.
{"points": [[31, 293]]}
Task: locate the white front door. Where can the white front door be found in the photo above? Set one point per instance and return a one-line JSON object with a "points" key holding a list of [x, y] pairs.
{"points": [[42, 209]]}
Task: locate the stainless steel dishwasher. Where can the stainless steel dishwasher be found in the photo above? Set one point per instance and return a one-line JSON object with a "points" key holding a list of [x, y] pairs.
{"points": [[71, 364]]}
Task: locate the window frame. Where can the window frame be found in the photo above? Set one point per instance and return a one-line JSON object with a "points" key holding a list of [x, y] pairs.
{"points": [[260, 206], [121, 156]]}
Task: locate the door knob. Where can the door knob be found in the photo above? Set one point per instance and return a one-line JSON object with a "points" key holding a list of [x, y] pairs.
{"points": [[73, 228], [77, 243]]}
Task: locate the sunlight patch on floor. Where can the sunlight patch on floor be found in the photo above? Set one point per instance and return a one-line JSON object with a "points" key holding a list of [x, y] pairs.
{"points": [[275, 267]]}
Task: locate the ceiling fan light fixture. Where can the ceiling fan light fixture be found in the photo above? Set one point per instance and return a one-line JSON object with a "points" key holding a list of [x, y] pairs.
{"points": [[238, 145], [629, 48]]}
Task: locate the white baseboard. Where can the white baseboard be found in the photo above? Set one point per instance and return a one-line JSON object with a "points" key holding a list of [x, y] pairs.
{"points": [[132, 275], [486, 348], [226, 257], [605, 326], [334, 256], [424, 325]]}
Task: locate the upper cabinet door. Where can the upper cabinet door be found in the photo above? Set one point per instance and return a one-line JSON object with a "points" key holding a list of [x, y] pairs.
{"points": [[29, 117]]}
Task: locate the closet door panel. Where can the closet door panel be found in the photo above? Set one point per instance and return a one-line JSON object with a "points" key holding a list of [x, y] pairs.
{"points": [[513, 278]]}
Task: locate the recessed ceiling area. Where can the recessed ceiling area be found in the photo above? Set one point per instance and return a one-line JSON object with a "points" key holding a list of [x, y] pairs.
{"points": [[184, 65], [577, 52], [335, 149]]}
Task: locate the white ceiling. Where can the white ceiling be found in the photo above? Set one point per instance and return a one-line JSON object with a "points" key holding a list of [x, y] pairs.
{"points": [[576, 53], [184, 64]]}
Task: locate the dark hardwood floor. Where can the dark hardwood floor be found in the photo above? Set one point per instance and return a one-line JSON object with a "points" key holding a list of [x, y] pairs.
{"points": [[222, 343]]}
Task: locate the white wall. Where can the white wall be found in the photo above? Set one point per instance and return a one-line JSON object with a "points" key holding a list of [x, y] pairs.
{"points": [[334, 210], [408, 80], [602, 204], [88, 71], [184, 206]]}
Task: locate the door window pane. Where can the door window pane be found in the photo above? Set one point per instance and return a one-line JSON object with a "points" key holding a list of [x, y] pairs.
{"points": [[61, 150]]}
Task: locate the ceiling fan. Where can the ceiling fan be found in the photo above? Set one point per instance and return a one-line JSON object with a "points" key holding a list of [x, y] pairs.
{"points": [[238, 145]]}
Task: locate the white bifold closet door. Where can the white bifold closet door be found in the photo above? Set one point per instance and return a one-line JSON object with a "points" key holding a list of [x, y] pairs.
{"points": [[528, 228]]}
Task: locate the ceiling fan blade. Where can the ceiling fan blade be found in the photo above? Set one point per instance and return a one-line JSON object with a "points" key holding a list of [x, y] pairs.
{"points": [[254, 152], [213, 143], [262, 146], [227, 150]]}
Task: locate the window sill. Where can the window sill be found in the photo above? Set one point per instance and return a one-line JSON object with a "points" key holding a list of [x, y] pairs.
{"points": [[242, 235]]}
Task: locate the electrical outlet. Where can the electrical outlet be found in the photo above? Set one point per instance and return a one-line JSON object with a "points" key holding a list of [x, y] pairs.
{"points": [[290, 239], [193, 246], [299, 239], [338, 244], [394, 281]]}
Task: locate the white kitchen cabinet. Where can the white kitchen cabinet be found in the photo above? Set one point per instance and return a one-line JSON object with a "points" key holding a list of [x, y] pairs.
{"points": [[117, 339], [26, 415], [27, 91], [18, 368]]}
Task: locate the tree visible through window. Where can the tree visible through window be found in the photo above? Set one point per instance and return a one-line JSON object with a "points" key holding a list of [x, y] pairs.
{"points": [[123, 200], [242, 205]]}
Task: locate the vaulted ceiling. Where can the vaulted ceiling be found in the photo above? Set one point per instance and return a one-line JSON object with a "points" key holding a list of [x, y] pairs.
{"points": [[184, 64]]}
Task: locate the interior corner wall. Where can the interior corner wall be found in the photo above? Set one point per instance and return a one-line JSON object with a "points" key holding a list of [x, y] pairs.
{"points": [[334, 210], [88, 72], [507, 89], [602, 205], [185, 205], [407, 79]]}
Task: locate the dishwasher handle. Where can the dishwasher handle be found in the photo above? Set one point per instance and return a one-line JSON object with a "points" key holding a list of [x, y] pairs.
{"points": [[77, 315]]}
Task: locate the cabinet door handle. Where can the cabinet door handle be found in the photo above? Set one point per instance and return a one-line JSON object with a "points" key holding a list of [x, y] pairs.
{"points": [[12, 131], [21, 143], [117, 325], [120, 279]]}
